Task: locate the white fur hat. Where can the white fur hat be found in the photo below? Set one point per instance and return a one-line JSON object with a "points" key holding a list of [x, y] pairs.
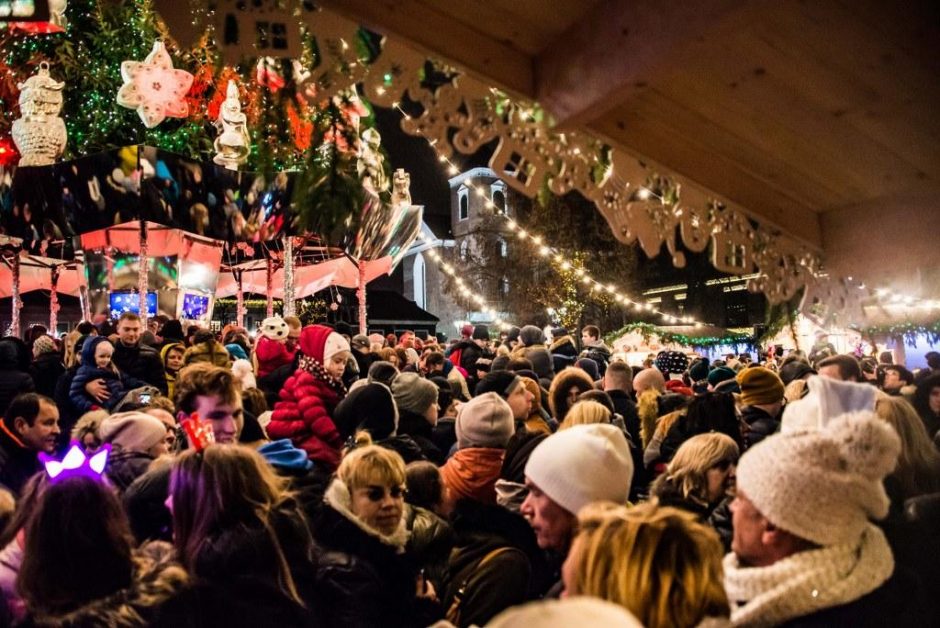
{"points": [[827, 398], [823, 485], [244, 374], [274, 328], [582, 464]]}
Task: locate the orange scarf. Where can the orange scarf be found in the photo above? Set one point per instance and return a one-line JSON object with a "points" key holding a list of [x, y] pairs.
{"points": [[472, 473]]}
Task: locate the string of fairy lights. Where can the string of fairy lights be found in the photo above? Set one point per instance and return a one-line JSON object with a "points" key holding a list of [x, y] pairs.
{"points": [[545, 250], [462, 286]]}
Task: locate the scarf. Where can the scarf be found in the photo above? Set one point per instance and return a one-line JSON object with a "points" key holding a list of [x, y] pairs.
{"points": [[339, 498], [807, 582], [472, 473]]}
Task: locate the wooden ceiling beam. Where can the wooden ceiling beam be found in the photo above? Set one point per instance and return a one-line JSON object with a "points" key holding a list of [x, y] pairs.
{"points": [[430, 30], [616, 49]]}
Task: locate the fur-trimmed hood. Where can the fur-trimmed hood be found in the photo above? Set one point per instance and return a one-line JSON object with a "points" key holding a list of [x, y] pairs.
{"points": [[157, 578], [564, 345], [338, 497]]}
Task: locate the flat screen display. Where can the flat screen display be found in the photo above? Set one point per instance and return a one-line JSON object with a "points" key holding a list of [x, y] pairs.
{"points": [[195, 306], [130, 302]]}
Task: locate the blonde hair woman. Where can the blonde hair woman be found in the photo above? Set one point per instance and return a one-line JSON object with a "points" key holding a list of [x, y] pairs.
{"points": [[918, 470], [657, 562], [700, 475], [585, 413], [362, 533]]}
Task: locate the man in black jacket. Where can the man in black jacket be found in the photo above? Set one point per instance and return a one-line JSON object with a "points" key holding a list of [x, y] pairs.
{"points": [[134, 358], [30, 426]]}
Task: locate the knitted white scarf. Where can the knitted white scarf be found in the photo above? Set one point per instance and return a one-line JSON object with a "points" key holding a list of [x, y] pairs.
{"points": [[808, 581]]}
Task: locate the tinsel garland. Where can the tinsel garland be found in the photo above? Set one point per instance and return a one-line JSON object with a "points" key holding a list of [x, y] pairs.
{"points": [[288, 276], [269, 279], [53, 299], [907, 330], [647, 331], [239, 301], [143, 271], [16, 300]]}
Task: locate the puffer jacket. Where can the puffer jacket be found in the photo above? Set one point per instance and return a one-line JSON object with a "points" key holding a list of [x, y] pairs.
{"points": [[271, 355], [540, 358], [368, 579], [157, 579], [304, 415], [82, 401], [430, 542]]}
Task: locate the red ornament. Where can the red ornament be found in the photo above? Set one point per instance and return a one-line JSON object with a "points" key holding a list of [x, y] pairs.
{"points": [[36, 28], [8, 153]]}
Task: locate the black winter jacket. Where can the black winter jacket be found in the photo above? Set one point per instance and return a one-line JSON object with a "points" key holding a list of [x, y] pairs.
{"points": [[365, 581], [422, 433], [45, 371], [511, 577], [17, 464], [758, 425], [141, 362], [13, 376]]}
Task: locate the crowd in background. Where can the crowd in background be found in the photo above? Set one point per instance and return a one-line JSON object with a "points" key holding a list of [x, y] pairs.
{"points": [[309, 476]]}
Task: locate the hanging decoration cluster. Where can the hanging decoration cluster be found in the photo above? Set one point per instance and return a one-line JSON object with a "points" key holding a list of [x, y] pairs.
{"points": [[665, 336]]}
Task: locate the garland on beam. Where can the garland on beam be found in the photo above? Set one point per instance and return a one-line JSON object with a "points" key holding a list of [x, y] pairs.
{"points": [[667, 337], [907, 330]]}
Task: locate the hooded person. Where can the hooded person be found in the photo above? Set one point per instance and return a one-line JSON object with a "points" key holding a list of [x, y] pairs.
{"points": [[805, 550], [382, 372], [416, 399], [538, 420], [510, 487], [311, 394], [722, 379], [171, 356], [565, 389], [97, 364], [371, 408], [137, 439], [491, 564]]}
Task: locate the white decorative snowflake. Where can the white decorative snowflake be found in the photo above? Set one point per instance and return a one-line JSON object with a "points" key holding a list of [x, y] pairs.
{"points": [[154, 88]]}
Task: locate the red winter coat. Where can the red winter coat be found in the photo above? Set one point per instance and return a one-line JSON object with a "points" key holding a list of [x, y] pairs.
{"points": [[304, 415], [271, 355]]}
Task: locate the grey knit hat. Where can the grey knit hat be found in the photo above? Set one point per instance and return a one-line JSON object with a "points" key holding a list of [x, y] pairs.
{"points": [[413, 393], [484, 421]]}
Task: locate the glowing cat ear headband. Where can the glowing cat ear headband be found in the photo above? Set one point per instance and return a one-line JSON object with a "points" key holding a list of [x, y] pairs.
{"points": [[199, 432], [76, 463]]}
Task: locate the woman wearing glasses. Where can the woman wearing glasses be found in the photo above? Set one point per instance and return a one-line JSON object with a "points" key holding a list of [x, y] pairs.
{"points": [[363, 568]]}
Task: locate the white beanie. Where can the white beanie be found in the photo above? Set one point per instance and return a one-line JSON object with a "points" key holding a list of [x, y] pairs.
{"points": [[334, 344], [244, 374], [827, 398], [132, 431], [572, 611], [823, 485], [582, 464]]}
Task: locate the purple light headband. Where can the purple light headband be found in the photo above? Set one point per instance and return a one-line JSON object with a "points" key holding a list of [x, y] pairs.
{"points": [[76, 463]]}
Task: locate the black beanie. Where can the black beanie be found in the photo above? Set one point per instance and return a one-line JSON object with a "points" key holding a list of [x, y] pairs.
{"points": [[369, 407], [480, 332], [382, 372], [498, 382], [518, 450]]}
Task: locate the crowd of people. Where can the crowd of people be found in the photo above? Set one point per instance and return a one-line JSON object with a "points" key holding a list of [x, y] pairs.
{"points": [[303, 476]]}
